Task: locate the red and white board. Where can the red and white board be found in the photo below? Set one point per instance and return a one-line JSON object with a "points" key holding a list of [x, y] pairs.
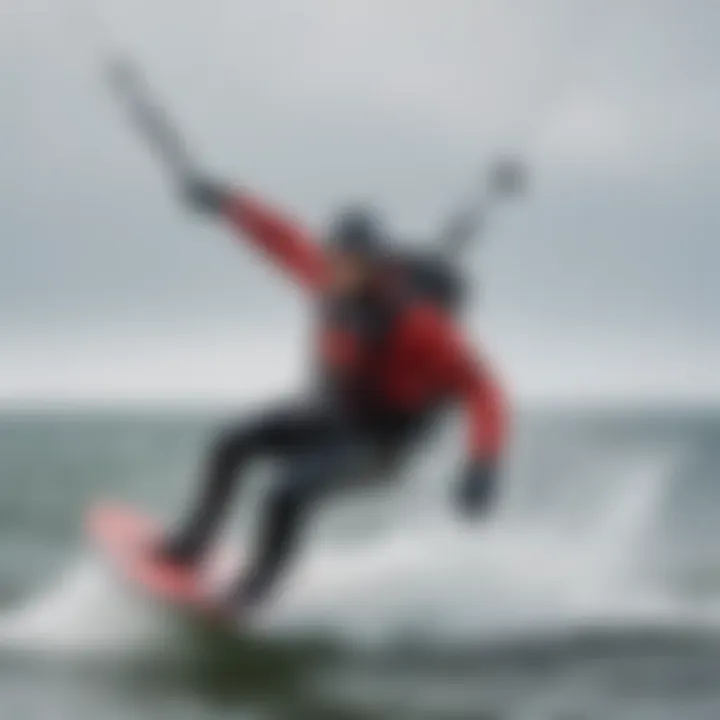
{"points": [[128, 538]]}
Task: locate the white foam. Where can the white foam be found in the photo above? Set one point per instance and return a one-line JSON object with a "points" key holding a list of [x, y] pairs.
{"points": [[449, 578], [86, 610]]}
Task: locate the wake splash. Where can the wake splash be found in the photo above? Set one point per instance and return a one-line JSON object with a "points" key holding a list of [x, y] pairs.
{"points": [[87, 610], [444, 582]]}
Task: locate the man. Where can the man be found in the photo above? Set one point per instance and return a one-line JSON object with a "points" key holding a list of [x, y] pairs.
{"points": [[389, 360]]}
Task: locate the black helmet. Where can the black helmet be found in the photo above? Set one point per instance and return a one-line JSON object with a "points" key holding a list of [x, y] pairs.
{"points": [[358, 230]]}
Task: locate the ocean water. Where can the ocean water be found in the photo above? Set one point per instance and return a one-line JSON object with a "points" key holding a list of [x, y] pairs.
{"points": [[592, 594]]}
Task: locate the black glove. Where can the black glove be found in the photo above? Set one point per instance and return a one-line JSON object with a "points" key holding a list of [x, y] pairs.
{"points": [[477, 488], [205, 195]]}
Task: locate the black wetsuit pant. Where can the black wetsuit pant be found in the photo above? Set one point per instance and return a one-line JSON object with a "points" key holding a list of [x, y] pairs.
{"points": [[317, 451]]}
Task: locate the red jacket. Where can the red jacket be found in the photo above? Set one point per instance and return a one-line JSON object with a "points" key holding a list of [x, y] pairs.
{"points": [[425, 359]]}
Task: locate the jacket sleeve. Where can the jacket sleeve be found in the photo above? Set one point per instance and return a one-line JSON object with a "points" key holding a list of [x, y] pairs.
{"points": [[464, 375], [286, 243], [476, 385]]}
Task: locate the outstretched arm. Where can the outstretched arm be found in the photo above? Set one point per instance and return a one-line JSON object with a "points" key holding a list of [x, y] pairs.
{"points": [[282, 240]]}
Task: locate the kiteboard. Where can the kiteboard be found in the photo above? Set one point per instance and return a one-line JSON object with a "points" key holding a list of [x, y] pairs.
{"points": [[128, 538]]}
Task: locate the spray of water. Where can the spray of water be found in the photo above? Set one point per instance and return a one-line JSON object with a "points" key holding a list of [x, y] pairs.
{"points": [[444, 578]]}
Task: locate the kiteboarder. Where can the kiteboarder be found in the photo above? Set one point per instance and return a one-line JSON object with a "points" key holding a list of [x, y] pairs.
{"points": [[390, 357]]}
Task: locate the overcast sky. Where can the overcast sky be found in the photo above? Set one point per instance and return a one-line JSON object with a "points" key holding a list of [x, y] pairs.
{"points": [[602, 281]]}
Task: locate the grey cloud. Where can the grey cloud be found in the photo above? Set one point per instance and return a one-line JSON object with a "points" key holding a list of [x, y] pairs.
{"points": [[394, 101]]}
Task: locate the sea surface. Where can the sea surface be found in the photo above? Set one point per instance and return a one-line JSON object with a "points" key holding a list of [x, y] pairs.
{"points": [[593, 593]]}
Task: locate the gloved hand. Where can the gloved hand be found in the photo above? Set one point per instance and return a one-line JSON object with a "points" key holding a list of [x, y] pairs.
{"points": [[204, 195], [477, 488]]}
